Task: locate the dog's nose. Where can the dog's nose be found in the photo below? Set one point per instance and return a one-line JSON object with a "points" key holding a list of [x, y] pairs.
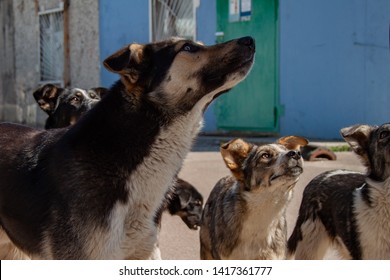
{"points": [[247, 41], [294, 154]]}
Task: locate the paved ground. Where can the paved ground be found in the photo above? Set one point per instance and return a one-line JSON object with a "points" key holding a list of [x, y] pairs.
{"points": [[204, 167]]}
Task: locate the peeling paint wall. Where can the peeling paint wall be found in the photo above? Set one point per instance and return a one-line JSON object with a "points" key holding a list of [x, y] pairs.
{"points": [[84, 43], [7, 61], [19, 27]]}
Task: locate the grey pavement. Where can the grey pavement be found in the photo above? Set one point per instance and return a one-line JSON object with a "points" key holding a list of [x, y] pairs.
{"points": [[203, 167]]}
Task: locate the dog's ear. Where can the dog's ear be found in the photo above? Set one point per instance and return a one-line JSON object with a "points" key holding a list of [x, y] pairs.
{"points": [[46, 97], [293, 142], [234, 153], [184, 197], [125, 61], [101, 91], [357, 137]]}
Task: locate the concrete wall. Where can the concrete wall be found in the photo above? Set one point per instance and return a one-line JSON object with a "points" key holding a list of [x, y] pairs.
{"points": [[334, 65], [84, 43], [21, 55], [7, 60]]}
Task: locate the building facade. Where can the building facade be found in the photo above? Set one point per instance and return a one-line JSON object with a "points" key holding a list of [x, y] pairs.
{"points": [[320, 65]]}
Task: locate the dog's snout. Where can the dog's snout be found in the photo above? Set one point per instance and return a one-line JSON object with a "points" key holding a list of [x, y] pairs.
{"points": [[247, 41], [294, 154]]}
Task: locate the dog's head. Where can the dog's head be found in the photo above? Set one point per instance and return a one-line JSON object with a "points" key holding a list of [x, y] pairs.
{"points": [[372, 145], [270, 165], [65, 106], [178, 73], [187, 203]]}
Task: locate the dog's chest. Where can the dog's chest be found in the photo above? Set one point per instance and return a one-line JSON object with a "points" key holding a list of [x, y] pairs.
{"points": [[132, 232], [263, 233], [373, 222]]}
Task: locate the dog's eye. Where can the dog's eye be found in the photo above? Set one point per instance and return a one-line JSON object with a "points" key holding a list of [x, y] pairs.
{"points": [[189, 48], [75, 99], [265, 155], [383, 134], [92, 95]]}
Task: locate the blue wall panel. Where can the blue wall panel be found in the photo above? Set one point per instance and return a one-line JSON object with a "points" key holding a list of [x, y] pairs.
{"points": [[334, 59], [334, 65], [121, 22]]}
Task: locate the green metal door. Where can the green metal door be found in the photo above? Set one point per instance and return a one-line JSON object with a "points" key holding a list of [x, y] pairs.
{"points": [[253, 105]]}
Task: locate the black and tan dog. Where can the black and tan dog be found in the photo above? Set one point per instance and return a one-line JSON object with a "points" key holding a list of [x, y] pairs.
{"points": [[348, 210], [182, 199], [65, 106], [244, 216], [91, 191]]}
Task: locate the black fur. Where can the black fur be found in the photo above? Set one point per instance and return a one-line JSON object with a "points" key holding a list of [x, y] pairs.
{"points": [[182, 200], [65, 106], [323, 195]]}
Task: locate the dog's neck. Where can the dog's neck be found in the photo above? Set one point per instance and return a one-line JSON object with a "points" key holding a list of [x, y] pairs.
{"points": [[269, 200], [264, 224], [149, 152]]}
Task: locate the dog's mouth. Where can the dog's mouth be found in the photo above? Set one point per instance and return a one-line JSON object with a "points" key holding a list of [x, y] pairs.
{"points": [[192, 222], [292, 172]]}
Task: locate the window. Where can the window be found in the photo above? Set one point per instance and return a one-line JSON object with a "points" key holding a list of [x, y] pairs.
{"points": [[51, 46], [173, 18]]}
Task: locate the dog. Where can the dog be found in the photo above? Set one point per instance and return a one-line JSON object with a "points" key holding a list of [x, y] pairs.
{"points": [[348, 210], [245, 214], [183, 200], [91, 190], [65, 106]]}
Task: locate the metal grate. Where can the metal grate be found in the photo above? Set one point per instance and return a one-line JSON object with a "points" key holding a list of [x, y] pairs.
{"points": [[173, 18], [51, 46]]}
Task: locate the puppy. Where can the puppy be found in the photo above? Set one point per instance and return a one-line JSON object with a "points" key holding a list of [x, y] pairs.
{"points": [[183, 200], [65, 106], [349, 210], [91, 190], [244, 216]]}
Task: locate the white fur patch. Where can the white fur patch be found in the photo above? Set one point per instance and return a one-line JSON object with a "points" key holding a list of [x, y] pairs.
{"points": [[339, 172], [316, 241], [373, 221], [266, 209], [133, 233]]}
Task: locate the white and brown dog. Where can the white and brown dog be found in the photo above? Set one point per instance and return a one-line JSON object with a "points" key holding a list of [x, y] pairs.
{"points": [[348, 210], [91, 191], [244, 216]]}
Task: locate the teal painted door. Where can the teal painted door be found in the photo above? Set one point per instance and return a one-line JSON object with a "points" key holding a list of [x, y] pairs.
{"points": [[252, 106]]}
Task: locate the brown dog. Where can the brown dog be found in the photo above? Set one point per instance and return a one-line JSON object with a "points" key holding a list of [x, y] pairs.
{"points": [[244, 216]]}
